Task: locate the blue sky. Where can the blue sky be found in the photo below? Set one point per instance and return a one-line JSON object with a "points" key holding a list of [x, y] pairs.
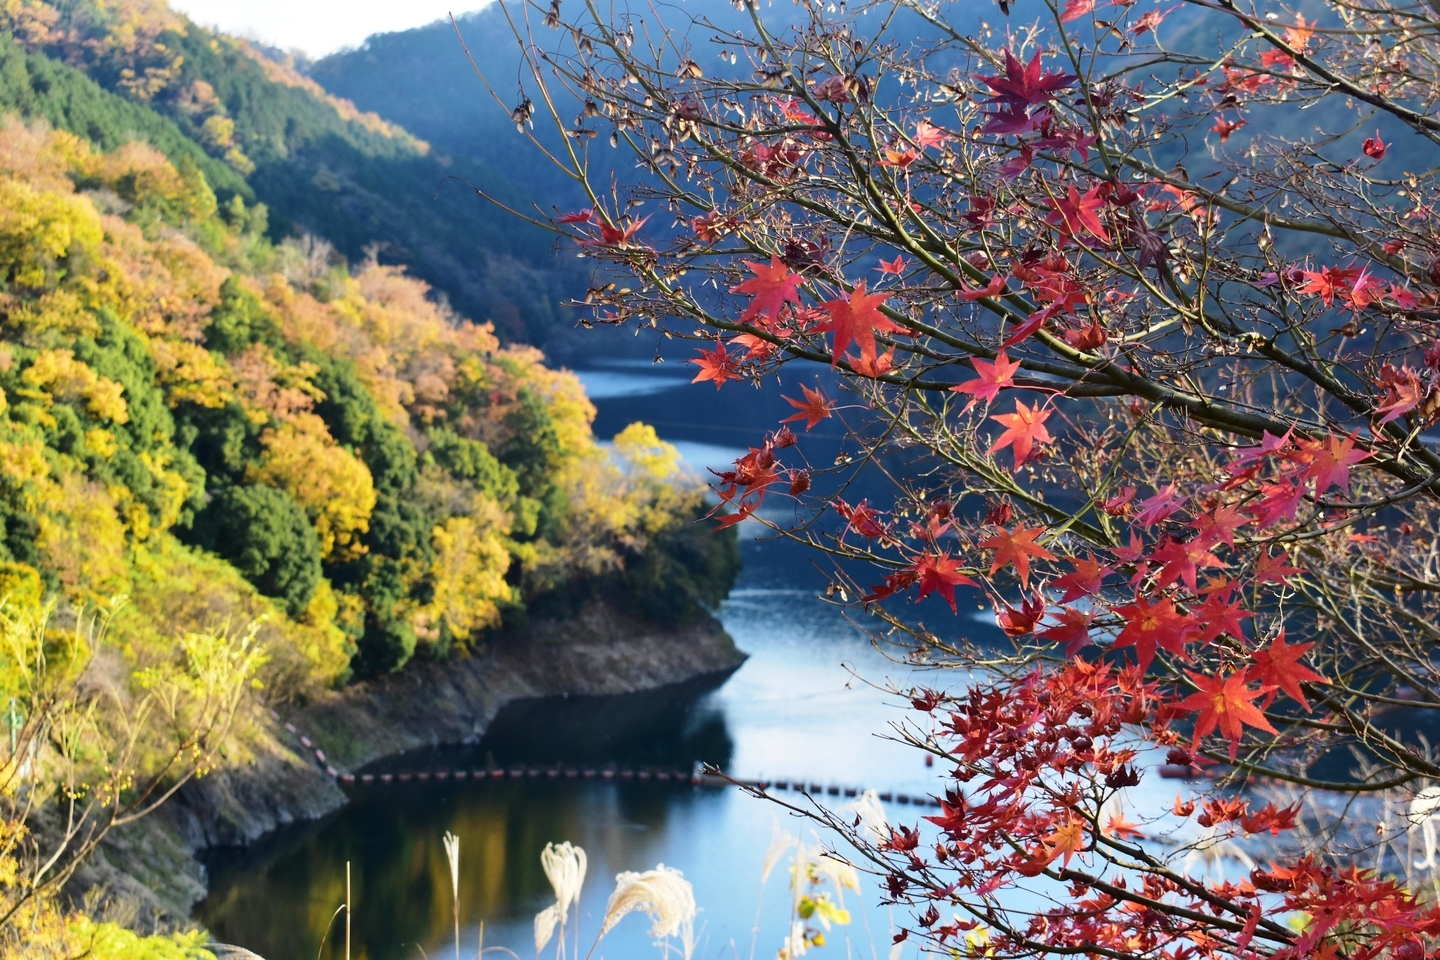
{"points": [[318, 27]]}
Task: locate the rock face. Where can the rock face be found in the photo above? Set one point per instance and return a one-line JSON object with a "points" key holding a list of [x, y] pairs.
{"points": [[278, 780]]}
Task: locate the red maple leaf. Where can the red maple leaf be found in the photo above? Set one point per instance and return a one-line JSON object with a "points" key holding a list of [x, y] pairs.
{"points": [[1148, 22], [1268, 446], [895, 267], [1072, 629], [1219, 525], [1024, 86], [1278, 665], [940, 574], [1332, 463], [994, 288], [715, 365], [1329, 282], [1161, 506], [1029, 325], [741, 514], [1016, 547], [857, 320], [1120, 504], [579, 216], [861, 518], [814, 408], [1226, 127], [1023, 429], [1225, 702], [1150, 626], [1269, 819], [1084, 581], [872, 367], [900, 156], [1274, 569], [772, 287], [1074, 210], [1219, 614], [1183, 560], [928, 135], [1075, 9], [615, 236], [1374, 147], [1017, 623], [1278, 501], [1403, 392], [993, 376], [1087, 338], [755, 347]]}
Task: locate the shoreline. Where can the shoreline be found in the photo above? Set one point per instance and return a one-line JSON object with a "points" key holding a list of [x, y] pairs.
{"points": [[151, 870]]}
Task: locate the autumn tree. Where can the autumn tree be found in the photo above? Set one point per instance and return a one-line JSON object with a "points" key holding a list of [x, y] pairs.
{"points": [[1131, 308]]}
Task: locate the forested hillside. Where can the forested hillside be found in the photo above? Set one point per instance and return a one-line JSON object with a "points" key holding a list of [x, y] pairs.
{"points": [[224, 428], [267, 131]]}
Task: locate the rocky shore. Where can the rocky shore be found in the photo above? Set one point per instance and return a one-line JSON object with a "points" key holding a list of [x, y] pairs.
{"points": [[151, 869]]}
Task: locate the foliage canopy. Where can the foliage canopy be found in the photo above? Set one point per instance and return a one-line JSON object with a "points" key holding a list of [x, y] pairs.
{"points": [[1135, 313]]}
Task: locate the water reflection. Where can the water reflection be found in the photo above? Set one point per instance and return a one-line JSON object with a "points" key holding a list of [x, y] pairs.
{"points": [[608, 384], [669, 729], [794, 709], [278, 899]]}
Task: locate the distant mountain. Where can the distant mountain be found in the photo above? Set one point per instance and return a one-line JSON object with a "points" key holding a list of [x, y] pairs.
{"points": [[262, 129], [423, 80]]}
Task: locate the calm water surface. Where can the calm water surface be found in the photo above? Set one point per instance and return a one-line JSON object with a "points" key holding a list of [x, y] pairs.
{"points": [[805, 705], [800, 707], [793, 709]]}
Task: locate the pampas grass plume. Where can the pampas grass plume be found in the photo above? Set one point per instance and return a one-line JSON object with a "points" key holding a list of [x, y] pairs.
{"points": [[663, 893]]}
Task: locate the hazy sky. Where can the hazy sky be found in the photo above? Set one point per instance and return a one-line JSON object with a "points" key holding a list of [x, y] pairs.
{"points": [[318, 27]]}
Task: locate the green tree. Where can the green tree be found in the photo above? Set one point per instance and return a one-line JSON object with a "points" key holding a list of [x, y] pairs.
{"points": [[686, 570], [471, 460], [239, 320], [265, 534]]}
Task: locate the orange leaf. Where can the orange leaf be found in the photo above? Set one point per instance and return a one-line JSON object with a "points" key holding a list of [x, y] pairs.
{"points": [[992, 377], [715, 365], [857, 320], [1023, 429], [814, 408], [1225, 702], [772, 287], [1068, 840], [1016, 548]]}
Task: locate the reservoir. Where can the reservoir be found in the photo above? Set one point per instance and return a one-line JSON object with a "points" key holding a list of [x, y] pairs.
{"points": [[809, 704]]}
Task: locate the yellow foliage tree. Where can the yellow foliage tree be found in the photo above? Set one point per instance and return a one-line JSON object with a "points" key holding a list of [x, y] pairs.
{"points": [[647, 457], [106, 749], [82, 538], [57, 375], [332, 484], [471, 559], [39, 230]]}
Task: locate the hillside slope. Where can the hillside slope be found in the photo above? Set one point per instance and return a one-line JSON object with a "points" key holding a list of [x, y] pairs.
{"points": [[223, 429], [321, 165]]}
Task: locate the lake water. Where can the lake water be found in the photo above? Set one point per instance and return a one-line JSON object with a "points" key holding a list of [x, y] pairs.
{"points": [[793, 709], [803, 706]]}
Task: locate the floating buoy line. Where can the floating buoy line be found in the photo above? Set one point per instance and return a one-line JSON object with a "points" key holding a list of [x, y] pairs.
{"points": [[692, 778], [626, 774]]}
